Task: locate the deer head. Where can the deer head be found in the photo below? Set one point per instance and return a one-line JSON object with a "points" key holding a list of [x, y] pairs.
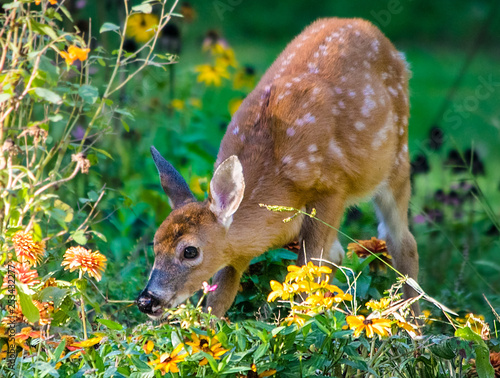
{"points": [[189, 245]]}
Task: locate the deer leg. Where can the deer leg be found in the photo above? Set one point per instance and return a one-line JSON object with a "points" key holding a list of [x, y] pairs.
{"points": [[228, 281], [391, 204], [317, 240]]}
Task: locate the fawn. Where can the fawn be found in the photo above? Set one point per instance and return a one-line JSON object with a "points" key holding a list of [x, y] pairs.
{"points": [[326, 127]]}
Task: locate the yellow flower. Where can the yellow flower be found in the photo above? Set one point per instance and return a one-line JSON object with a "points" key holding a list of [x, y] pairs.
{"points": [[88, 343], [75, 53], [87, 261], [296, 318], [477, 324], [177, 104], [167, 362], [244, 78], [211, 346], [310, 271], [195, 102], [211, 75], [378, 305], [266, 373], [408, 327], [359, 323], [141, 26], [234, 105], [225, 58], [284, 291], [28, 250], [148, 347]]}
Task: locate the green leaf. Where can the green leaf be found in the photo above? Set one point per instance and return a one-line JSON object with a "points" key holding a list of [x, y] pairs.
{"points": [[105, 153], [68, 210], [59, 349], [53, 294], [28, 308], [483, 364], [125, 125], [44, 29], [467, 334], [108, 26], [48, 95], [88, 93], [5, 97], [110, 324], [143, 8], [79, 237], [66, 12]]}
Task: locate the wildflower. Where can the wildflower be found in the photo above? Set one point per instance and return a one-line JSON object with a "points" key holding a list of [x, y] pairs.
{"points": [[225, 57], [88, 343], [478, 326], [365, 248], [16, 314], [208, 288], [427, 315], [93, 263], [23, 275], [234, 105], [26, 333], [74, 53], [408, 327], [28, 250], [378, 305], [323, 286], [214, 43], [141, 26], [266, 373], [381, 327], [211, 346], [52, 2], [177, 104], [211, 75], [198, 185], [195, 102], [306, 271], [284, 291], [296, 318], [167, 362], [148, 347], [244, 78]]}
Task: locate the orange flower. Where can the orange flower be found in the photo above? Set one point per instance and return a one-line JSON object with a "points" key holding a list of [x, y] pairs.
{"points": [[26, 333], [75, 53], [88, 343], [167, 362], [87, 261], [365, 248], [28, 250], [23, 275], [359, 323], [16, 316]]}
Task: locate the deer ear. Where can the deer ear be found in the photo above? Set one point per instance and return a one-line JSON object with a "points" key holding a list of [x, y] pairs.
{"points": [[226, 190], [172, 182]]}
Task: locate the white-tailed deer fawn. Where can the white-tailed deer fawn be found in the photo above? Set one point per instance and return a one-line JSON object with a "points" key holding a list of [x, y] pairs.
{"points": [[325, 128]]}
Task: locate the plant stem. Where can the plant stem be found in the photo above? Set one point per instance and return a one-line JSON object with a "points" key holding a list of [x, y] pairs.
{"points": [[82, 304]]}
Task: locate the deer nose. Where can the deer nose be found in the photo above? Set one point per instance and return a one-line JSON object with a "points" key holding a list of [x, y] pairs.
{"points": [[147, 301]]}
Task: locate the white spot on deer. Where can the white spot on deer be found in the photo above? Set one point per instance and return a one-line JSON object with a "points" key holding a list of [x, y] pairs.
{"points": [[368, 106], [288, 85], [401, 130], [375, 45], [335, 110], [385, 75], [316, 54], [366, 64], [312, 148], [308, 118], [352, 93], [349, 26], [368, 90], [296, 79], [305, 105], [343, 79], [301, 164], [405, 148], [312, 68], [400, 87], [341, 104], [335, 35], [359, 125], [328, 39], [316, 90], [290, 131], [405, 120], [236, 130], [381, 135], [357, 33], [368, 76], [242, 137], [277, 76], [396, 118], [299, 45], [392, 91], [337, 90], [286, 159], [335, 149]]}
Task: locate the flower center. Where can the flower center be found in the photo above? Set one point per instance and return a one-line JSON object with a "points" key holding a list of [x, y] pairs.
{"points": [[367, 322]]}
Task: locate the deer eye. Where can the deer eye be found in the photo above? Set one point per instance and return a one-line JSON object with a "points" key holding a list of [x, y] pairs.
{"points": [[191, 252]]}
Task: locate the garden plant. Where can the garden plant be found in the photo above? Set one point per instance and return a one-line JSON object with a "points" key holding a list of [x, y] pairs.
{"points": [[81, 103]]}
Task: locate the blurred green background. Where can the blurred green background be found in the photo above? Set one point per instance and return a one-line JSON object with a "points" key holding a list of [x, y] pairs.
{"points": [[453, 48]]}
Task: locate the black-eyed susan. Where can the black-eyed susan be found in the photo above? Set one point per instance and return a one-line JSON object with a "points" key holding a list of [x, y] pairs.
{"points": [[148, 347], [284, 291], [88, 343], [211, 75], [74, 53], [297, 318], [477, 324], [378, 305], [141, 26], [167, 362], [28, 250], [226, 58], [253, 373], [178, 104], [309, 271], [206, 344], [214, 43], [188, 12], [92, 263], [359, 323]]}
